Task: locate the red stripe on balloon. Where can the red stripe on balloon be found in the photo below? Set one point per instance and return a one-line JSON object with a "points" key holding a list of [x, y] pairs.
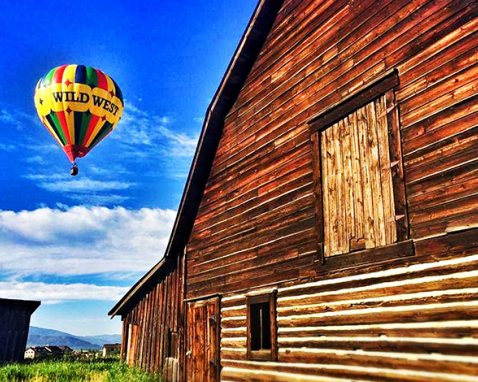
{"points": [[74, 151], [58, 75], [64, 126], [91, 126], [70, 153], [102, 82]]}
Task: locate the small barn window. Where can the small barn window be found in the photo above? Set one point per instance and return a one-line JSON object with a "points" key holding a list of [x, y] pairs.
{"points": [[359, 172], [261, 327]]}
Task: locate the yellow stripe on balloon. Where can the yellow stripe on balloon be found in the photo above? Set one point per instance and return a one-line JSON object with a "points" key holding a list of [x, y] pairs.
{"points": [[69, 74], [70, 121], [67, 85], [111, 86]]}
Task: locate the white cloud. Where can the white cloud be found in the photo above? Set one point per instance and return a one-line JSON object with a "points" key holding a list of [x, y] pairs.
{"points": [[85, 185], [150, 131], [85, 190], [16, 118], [81, 240], [56, 293], [45, 177], [7, 147], [61, 206], [9, 118], [99, 200], [36, 159], [42, 148], [113, 168]]}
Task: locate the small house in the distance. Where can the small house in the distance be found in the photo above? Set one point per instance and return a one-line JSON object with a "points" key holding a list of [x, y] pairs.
{"points": [[14, 325], [36, 352], [110, 350]]}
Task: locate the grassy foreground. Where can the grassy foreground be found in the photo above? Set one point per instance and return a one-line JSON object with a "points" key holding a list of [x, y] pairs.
{"points": [[73, 371]]}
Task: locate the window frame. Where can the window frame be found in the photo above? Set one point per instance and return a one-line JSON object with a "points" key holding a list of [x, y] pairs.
{"points": [[265, 354], [403, 247]]}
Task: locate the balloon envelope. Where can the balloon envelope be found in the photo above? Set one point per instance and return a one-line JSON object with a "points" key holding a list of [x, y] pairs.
{"points": [[79, 105]]}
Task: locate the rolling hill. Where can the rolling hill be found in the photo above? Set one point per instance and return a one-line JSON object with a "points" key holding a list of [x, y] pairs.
{"points": [[41, 337]]}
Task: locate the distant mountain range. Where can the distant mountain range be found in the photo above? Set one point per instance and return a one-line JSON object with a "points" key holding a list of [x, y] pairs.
{"points": [[41, 337]]}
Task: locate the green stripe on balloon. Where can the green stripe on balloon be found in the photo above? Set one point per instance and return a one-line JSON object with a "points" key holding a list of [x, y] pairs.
{"points": [[91, 77], [84, 126], [77, 118], [49, 123], [62, 119], [54, 123], [58, 128], [49, 76]]}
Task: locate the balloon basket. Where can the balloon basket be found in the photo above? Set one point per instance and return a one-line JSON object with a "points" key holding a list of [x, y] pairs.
{"points": [[74, 170]]}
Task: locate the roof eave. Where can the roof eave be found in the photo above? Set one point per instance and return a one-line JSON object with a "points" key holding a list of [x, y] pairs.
{"points": [[140, 284]]}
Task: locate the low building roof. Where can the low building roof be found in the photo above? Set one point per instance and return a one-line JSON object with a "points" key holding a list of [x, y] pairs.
{"points": [[111, 346], [54, 349], [37, 349], [28, 305]]}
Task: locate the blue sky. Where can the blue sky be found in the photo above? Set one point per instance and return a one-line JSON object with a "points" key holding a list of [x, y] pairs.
{"points": [[78, 244]]}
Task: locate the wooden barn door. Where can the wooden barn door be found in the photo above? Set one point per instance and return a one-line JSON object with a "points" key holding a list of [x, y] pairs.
{"points": [[202, 350], [358, 190]]}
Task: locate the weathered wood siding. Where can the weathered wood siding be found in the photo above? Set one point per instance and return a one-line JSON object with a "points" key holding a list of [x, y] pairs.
{"points": [[412, 318], [153, 335], [256, 218]]}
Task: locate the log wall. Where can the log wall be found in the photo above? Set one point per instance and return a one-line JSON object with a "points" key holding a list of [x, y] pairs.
{"points": [[412, 319], [153, 333]]}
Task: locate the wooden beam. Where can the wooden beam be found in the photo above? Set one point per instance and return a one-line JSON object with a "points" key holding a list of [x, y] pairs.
{"points": [[354, 102]]}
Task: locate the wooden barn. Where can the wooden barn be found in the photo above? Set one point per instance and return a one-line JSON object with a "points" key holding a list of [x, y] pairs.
{"points": [[14, 326], [329, 225], [153, 320]]}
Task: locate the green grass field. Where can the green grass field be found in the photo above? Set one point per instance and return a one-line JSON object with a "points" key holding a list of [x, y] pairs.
{"points": [[73, 371]]}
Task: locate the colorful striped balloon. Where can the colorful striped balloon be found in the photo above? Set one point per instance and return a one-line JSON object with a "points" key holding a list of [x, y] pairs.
{"points": [[79, 105]]}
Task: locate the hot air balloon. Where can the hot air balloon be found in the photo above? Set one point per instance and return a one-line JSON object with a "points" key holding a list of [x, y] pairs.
{"points": [[80, 106]]}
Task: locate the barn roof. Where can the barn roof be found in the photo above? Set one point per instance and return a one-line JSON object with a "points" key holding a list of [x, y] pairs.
{"points": [[241, 63], [28, 305]]}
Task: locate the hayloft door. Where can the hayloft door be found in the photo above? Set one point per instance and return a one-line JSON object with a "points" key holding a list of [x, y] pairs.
{"points": [[202, 350]]}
